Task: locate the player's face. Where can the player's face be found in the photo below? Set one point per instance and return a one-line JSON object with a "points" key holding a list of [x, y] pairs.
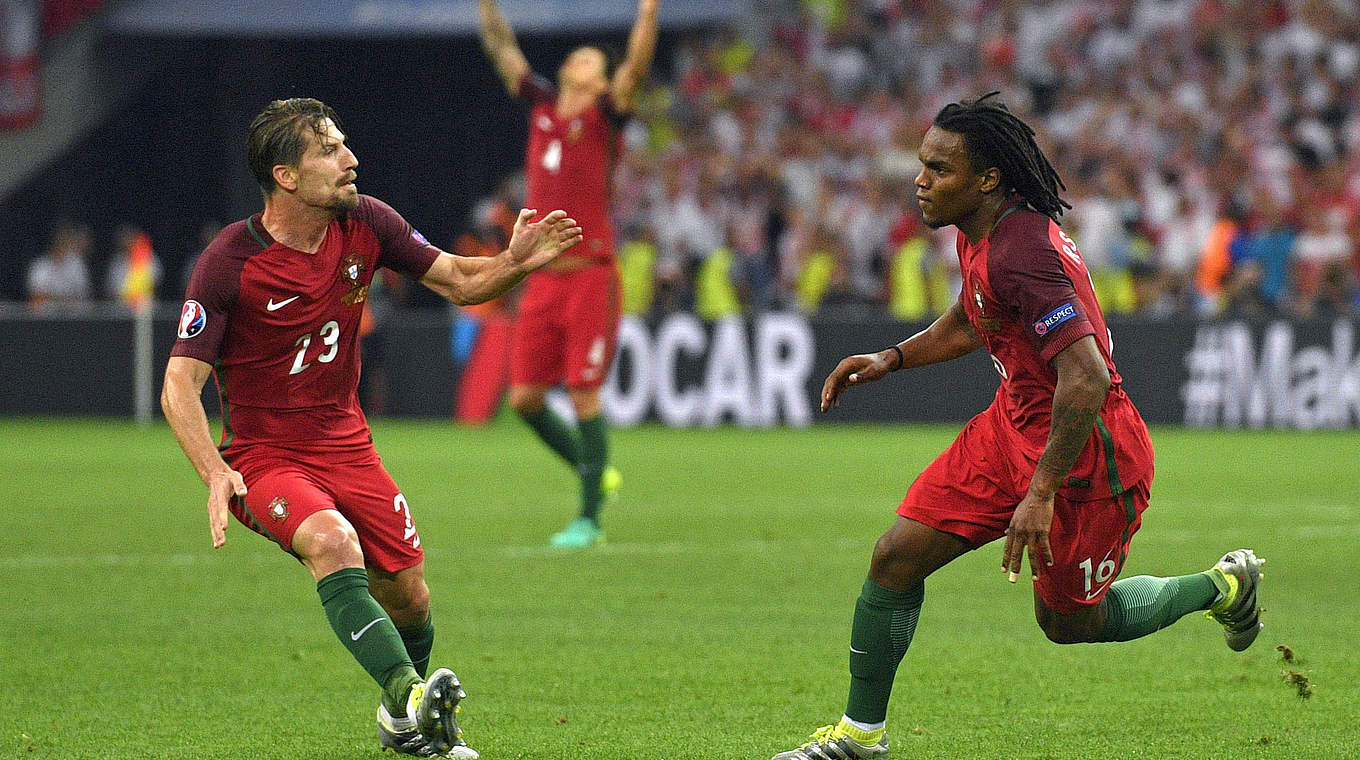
{"points": [[326, 173], [585, 67], [947, 189]]}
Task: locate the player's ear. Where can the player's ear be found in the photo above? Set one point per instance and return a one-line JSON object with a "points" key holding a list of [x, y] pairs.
{"points": [[286, 177], [989, 180]]}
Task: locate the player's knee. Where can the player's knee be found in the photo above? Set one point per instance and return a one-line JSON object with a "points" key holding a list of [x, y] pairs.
{"points": [[1064, 629], [526, 400], [893, 564], [332, 543], [1058, 633], [586, 402]]}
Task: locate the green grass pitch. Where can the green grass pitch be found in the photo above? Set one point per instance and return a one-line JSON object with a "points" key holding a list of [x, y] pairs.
{"points": [[714, 624]]}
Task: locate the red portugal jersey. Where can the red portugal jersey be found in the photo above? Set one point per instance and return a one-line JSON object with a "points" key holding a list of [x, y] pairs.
{"points": [[569, 163], [281, 327], [1028, 296]]}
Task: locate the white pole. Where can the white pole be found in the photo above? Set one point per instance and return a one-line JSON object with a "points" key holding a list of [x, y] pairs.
{"points": [[141, 361]]}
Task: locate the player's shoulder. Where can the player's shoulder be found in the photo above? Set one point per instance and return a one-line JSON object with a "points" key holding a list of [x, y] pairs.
{"points": [[239, 240], [390, 227], [1021, 237], [537, 89], [1024, 229], [610, 108], [1023, 248], [375, 213], [369, 207], [217, 273]]}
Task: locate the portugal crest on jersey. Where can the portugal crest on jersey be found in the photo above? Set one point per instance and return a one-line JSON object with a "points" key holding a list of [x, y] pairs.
{"points": [[351, 269], [988, 322], [278, 508]]}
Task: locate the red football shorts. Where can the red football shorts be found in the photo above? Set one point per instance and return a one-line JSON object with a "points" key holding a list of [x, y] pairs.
{"points": [[567, 328], [284, 488], [966, 492]]}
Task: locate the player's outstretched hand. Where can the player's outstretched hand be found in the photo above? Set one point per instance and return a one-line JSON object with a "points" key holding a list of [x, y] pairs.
{"points": [[533, 244], [1029, 529], [853, 370], [224, 487]]}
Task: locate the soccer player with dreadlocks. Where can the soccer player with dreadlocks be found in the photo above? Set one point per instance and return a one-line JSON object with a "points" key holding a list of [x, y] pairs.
{"points": [[1060, 463]]}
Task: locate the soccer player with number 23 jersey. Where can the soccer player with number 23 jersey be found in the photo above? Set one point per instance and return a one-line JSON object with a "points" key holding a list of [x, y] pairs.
{"points": [[273, 307]]}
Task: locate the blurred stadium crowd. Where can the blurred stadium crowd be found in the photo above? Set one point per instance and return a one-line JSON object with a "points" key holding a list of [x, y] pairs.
{"points": [[1210, 149]]}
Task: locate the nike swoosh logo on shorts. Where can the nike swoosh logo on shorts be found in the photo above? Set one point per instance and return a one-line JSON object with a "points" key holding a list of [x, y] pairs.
{"points": [[856, 651], [271, 306], [362, 631]]}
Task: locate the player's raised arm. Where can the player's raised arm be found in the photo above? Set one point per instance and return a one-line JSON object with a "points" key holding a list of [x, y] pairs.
{"points": [[948, 337], [182, 402], [637, 61], [498, 40], [474, 279]]}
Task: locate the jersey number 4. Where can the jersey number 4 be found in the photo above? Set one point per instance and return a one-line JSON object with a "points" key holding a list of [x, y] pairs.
{"points": [[552, 157], [330, 337]]}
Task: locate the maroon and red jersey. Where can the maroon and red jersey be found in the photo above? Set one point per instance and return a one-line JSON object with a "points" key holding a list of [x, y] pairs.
{"points": [[569, 163], [1028, 296], [281, 327]]}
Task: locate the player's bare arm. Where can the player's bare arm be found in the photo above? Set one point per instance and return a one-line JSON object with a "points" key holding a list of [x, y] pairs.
{"points": [[637, 60], [474, 279], [1083, 382], [948, 337], [498, 40], [182, 402]]}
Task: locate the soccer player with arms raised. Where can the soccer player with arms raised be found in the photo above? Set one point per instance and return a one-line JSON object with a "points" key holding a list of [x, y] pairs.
{"points": [[568, 318], [1060, 464], [273, 305]]}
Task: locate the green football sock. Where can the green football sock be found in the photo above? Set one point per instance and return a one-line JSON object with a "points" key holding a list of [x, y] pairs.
{"points": [[419, 640], [885, 621], [594, 455], [555, 432], [1143, 604], [367, 632]]}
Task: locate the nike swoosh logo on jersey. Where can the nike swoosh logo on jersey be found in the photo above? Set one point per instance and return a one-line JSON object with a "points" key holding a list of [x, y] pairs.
{"points": [[362, 631], [271, 306]]}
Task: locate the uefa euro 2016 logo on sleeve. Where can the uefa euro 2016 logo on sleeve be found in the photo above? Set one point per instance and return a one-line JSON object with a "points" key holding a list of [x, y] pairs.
{"points": [[1054, 318], [192, 319]]}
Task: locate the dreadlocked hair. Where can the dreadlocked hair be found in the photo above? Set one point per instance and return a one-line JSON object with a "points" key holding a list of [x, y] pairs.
{"points": [[996, 137]]}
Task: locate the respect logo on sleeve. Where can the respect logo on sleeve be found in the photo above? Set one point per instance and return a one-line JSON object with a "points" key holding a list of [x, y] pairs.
{"points": [[1054, 318]]}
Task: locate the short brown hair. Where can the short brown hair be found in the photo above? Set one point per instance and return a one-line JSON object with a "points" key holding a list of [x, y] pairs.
{"points": [[277, 135], [608, 52]]}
